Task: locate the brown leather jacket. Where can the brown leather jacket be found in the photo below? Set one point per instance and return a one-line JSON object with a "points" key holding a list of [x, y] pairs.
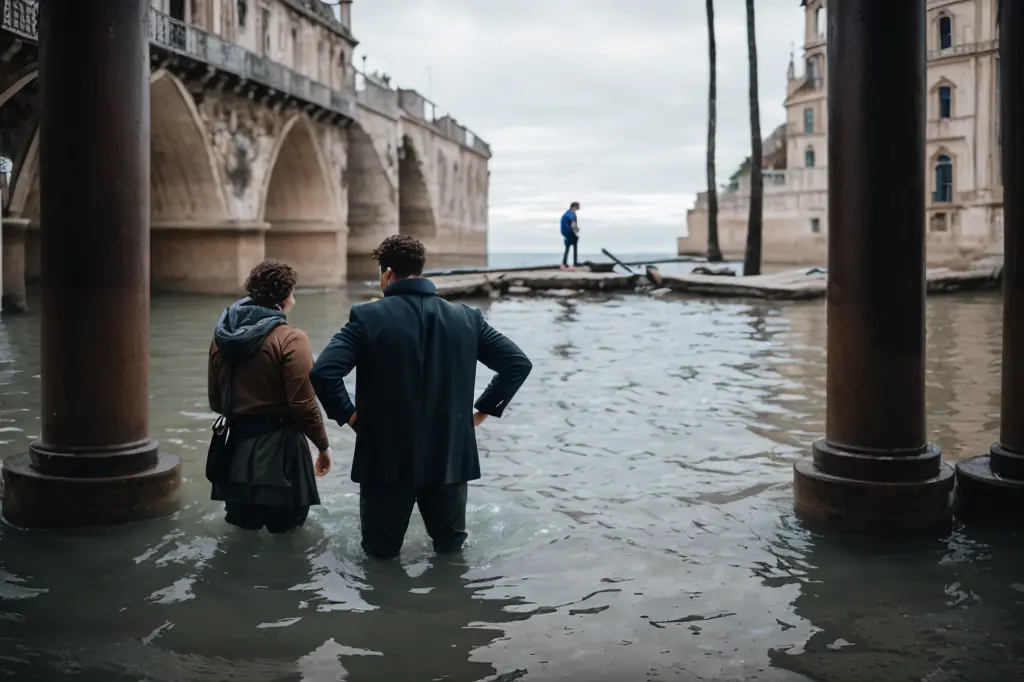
{"points": [[274, 380]]}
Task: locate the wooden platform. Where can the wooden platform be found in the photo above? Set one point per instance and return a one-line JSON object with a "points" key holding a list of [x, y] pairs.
{"points": [[792, 285]]}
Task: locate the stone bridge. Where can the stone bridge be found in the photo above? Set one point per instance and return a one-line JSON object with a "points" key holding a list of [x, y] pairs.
{"points": [[253, 157]]}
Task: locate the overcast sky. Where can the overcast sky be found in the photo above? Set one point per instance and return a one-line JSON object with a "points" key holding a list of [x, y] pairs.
{"points": [[598, 101]]}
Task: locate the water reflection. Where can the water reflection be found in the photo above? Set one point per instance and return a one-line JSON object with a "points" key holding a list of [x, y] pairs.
{"points": [[634, 522]]}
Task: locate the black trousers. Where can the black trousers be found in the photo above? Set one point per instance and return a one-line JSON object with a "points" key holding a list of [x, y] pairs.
{"points": [[573, 243], [256, 516], [384, 515]]}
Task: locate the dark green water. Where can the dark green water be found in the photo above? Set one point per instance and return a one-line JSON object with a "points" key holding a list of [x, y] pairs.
{"points": [[634, 523]]}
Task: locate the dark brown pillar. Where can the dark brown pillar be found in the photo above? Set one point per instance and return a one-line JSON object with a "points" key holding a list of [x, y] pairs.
{"points": [[875, 471], [994, 483], [94, 463]]}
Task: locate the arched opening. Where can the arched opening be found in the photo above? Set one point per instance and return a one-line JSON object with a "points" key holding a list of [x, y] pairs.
{"points": [[299, 206], [945, 32], [188, 207], [820, 20], [372, 199], [415, 211], [943, 179], [19, 119], [809, 157], [184, 183]]}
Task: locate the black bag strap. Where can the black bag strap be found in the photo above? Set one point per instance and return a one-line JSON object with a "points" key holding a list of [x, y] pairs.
{"points": [[226, 392]]}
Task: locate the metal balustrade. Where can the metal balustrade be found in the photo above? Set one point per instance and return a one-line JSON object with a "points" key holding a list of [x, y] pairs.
{"points": [[20, 17]]}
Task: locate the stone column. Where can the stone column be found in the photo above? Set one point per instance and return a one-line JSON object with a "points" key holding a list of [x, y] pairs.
{"points": [[14, 298], [94, 463], [993, 484], [875, 471]]}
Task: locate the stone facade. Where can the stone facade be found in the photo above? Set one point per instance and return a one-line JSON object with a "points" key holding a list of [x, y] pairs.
{"points": [[964, 185], [274, 147]]}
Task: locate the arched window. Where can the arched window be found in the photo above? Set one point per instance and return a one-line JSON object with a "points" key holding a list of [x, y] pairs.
{"points": [[943, 179], [945, 32], [809, 157], [945, 101], [812, 68], [808, 120], [819, 20]]}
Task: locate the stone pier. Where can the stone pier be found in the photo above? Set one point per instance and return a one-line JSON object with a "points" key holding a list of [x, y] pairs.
{"points": [[94, 462], [875, 471], [993, 485]]}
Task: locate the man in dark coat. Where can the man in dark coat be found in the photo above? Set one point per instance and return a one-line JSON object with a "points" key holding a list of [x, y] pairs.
{"points": [[415, 354]]}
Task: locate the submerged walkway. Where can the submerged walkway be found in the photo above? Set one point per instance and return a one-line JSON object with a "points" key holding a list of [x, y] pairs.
{"points": [[801, 284]]}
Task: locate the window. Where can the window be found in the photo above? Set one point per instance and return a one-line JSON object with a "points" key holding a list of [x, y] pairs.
{"points": [[819, 20], [243, 12], [939, 223], [815, 225], [812, 69], [265, 26], [945, 32], [808, 120], [945, 102], [809, 157], [943, 180], [296, 50]]}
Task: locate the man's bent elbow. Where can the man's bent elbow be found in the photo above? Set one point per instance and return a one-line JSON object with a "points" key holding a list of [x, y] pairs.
{"points": [[318, 378]]}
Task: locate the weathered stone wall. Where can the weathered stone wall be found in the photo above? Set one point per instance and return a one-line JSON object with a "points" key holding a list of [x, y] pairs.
{"points": [[456, 181], [235, 180]]}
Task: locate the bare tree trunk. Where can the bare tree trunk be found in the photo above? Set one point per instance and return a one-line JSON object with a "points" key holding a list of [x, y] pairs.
{"points": [[752, 259], [714, 252]]}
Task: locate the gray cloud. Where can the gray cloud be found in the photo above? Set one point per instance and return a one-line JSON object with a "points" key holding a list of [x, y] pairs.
{"points": [[600, 101]]}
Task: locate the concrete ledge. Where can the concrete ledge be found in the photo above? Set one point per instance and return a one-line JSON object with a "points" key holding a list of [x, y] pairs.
{"points": [[227, 227], [308, 226]]}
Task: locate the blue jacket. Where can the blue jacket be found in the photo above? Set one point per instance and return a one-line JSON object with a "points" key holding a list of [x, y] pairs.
{"points": [[415, 355], [568, 218]]}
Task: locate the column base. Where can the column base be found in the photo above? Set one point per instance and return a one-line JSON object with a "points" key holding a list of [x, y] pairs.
{"points": [[33, 499], [872, 494], [315, 248], [984, 493], [203, 258]]}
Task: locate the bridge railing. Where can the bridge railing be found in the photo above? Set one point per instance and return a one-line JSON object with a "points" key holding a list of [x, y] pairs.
{"points": [[374, 93], [418, 106], [20, 17]]}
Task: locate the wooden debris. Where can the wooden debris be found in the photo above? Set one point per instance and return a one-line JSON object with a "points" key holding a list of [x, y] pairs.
{"points": [[803, 284]]}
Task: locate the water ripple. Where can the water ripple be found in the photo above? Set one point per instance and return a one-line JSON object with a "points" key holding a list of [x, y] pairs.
{"points": [[634, 521]]}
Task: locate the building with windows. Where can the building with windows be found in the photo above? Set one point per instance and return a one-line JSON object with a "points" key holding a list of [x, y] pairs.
{"points": [[963, 179]]}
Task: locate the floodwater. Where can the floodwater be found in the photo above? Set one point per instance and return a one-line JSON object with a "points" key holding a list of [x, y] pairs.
{"points": [[634, 522]]}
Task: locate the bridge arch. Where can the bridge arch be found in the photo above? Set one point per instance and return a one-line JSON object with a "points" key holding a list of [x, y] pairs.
{"points": [[25, 76], [372, 198], [415, 209], [185, 185], [305, 230]]}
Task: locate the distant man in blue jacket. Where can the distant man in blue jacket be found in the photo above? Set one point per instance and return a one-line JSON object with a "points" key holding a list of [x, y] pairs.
{"points": [[415, 355], [571, 235]]}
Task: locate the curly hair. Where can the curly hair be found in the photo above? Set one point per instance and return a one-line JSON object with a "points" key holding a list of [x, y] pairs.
{"points": [[405, 255], [270, 282]]}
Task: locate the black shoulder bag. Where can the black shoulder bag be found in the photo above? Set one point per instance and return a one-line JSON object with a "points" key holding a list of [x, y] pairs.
{"points": [[218, 457]]}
